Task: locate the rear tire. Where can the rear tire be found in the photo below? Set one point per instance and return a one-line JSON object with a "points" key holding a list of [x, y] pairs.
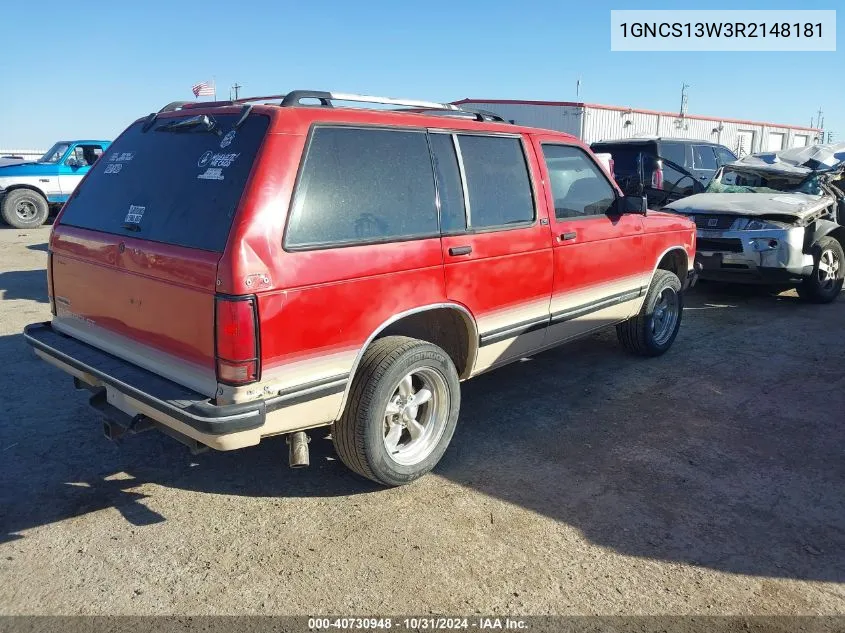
{"points": [[825, 283], [25, 209], [653, 330], [401, 412]]}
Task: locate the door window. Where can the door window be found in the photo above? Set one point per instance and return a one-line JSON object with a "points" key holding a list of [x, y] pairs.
{"points": [[497, 181], [703, 157], [579, 186], [86, 155]]}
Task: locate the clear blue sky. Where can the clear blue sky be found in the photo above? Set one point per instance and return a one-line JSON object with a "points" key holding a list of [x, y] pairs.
{"points": [[87, 68]]}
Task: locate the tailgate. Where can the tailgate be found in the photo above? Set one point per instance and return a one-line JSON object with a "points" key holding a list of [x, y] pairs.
{"points": [[151, 304], [134, 253]]}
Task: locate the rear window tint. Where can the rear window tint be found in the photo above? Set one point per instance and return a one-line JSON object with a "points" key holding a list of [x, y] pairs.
{"points": [[174, 187], [363, 185]]}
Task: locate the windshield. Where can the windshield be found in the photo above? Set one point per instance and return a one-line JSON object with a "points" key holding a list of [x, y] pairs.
{"points": [[743, 180], [55, 153]]}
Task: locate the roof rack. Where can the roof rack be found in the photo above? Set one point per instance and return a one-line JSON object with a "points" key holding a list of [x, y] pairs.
{"points": [[477, 114], [327, 99]]}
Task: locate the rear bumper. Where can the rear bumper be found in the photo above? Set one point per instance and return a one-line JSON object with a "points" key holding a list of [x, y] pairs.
{"points": [[138, 389]]}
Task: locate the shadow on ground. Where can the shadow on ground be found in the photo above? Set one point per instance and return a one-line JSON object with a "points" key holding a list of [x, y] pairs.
{"points": [[725, 453], [24, 284]]}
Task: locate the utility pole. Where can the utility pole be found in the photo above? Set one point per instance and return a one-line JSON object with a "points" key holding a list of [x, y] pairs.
{"points": [[684, 99], [578, 88], [819, 119], [235, 88]]}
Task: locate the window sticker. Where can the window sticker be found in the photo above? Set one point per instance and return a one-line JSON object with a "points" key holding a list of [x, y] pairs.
{"points": [[121, 157], [215, 163], [227, 140], [205, 159], [212, 173], [117, 160], [135, 214]]}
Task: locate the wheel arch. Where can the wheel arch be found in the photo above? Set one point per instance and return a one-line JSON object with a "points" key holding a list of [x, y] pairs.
{"points": [[449, 325], [18, 186], [825, 228], [674, 259]]}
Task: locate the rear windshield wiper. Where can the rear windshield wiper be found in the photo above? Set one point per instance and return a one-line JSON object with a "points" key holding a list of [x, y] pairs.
{"points": [[201, 122]]}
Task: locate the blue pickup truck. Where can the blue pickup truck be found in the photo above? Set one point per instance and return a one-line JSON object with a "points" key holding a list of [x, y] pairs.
{"points": [[29, 190]]}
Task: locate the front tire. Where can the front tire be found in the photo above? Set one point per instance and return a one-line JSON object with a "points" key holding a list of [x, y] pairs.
{"points": [[25, 209], [653, 330], [401, 412], [824, 285]]}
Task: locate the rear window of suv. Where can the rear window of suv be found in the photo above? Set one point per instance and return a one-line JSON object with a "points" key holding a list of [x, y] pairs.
{"points": [[174, 185]]}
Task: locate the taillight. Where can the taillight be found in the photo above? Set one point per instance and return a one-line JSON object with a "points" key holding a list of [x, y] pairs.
{"points": [[236, 340], [50, 283], [657, 176]]}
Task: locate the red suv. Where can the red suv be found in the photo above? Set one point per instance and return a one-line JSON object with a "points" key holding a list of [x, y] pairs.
{"points": [[234, 270]]}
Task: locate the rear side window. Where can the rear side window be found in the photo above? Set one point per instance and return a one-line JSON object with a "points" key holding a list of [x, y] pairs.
{"points": [[175, 185], [363, 185], [497, 181], [579, 186]]}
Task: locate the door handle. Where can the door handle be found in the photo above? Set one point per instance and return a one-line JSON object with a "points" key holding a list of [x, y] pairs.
{"points": [[567, 236], [460, 250]]}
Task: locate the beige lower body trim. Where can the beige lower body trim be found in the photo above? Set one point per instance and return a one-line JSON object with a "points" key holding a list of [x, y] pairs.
{"points": [[288, 375], [505, 317], [583, 296], [567, 330], [507, 349]]}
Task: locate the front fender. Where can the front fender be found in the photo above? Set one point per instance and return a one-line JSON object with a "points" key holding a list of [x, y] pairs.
{"points": [[819, 229], [6, 188]]}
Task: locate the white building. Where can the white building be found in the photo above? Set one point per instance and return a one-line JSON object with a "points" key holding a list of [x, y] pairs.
{"points": [[594, 122]]}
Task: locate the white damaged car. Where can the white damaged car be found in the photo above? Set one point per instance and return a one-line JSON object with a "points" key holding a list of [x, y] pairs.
{"points": [[774, 218]]}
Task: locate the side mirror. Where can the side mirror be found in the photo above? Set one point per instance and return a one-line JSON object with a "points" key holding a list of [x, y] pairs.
{"points": [[72, 162], [637, 205]]}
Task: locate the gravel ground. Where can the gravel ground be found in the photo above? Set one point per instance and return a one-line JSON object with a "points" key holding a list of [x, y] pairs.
{"points": [[582, 481]]}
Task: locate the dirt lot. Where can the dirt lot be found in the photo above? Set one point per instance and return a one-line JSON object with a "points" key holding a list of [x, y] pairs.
{"points": [[582, 481]]}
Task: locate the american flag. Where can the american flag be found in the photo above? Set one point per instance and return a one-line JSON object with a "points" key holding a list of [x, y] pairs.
{"points": [[203, 89]]}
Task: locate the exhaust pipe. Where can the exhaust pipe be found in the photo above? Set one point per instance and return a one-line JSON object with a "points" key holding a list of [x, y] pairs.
{"points": [[298, 453]]}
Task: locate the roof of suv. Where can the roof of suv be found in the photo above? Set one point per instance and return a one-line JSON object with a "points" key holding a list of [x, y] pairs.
{"points": [[406, 112]]}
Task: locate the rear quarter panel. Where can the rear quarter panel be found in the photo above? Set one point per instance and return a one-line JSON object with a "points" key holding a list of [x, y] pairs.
{"points": [[316, 308]]}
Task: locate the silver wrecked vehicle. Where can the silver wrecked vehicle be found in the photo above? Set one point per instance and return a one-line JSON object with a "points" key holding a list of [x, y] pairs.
{"points": [[775, 218]]}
